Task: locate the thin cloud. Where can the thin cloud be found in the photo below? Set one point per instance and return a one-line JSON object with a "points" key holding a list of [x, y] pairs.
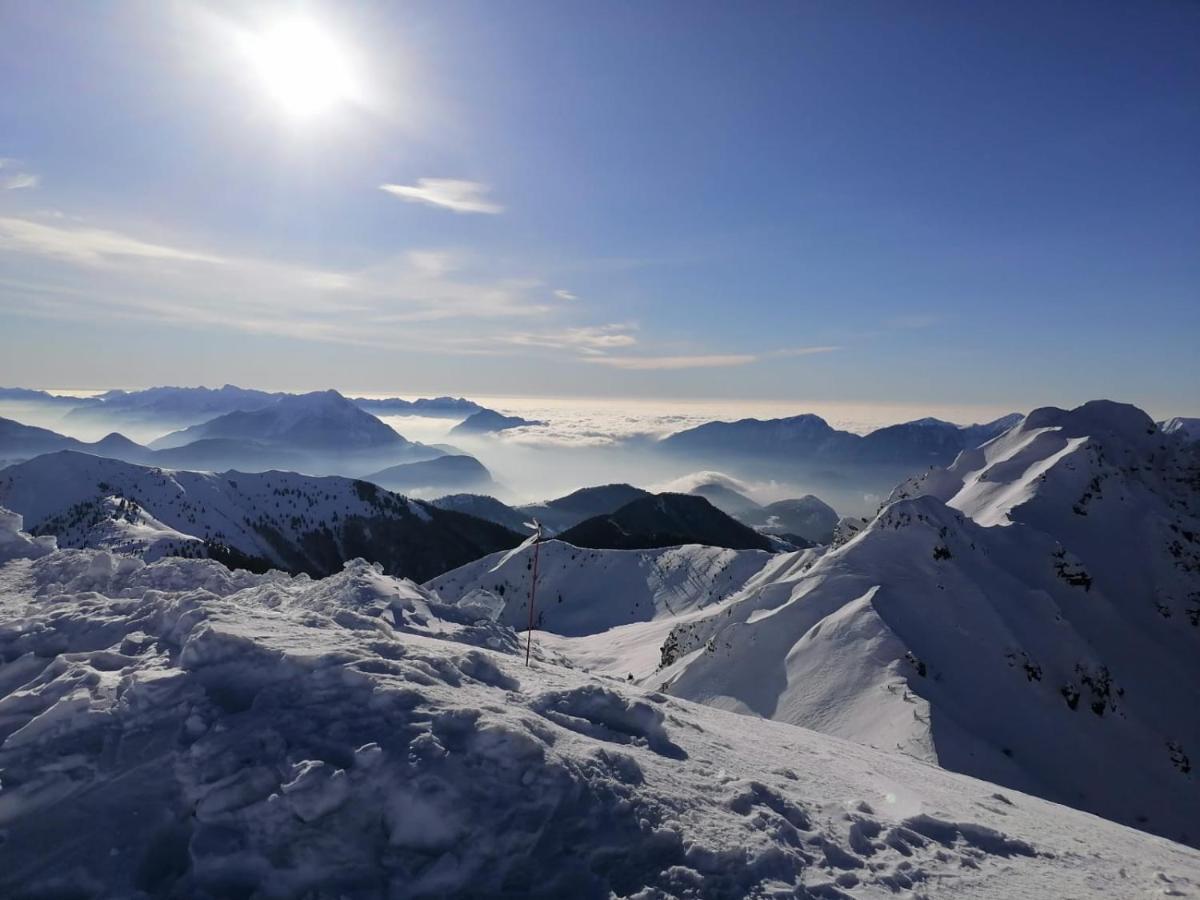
{"points": [[455, 194], [86, 245], [16, 181], [565, 295], [712, 361], [588, 339], [415, 301], [702, 361]]}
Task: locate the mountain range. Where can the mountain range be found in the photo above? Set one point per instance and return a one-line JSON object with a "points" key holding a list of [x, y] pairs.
{"points": [[320, 433], [1029, 615], [665, 520], [177, 729], [178, 407], [803, 520], [810, 438], [283, 520]]}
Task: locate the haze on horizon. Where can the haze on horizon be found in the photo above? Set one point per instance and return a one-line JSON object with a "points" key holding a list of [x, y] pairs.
{"points": [[873, 205]]}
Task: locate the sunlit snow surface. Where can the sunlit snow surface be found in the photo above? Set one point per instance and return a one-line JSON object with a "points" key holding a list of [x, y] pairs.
{"points": [[1029, 616], [177, 729]]}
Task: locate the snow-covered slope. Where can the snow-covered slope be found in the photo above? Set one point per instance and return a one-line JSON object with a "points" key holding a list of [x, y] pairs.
{"points": [[1030, 616], [1186, 427], [282, 519], [588, 591], [180, 730], [608, 611]]}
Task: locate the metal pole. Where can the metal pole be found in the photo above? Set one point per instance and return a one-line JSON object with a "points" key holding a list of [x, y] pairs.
{"points": [[532, 589]]}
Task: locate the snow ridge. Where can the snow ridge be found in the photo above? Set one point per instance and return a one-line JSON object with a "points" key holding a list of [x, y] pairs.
{"points": [[1030, 615]]}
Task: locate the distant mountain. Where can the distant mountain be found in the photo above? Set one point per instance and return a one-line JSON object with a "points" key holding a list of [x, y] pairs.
{"points": [[271, 519], [665, 520], [977, 435], [805, 436], [321, 421], [23, 441], [1028, 615], [317, 432], [1183, 426], [487, 421], [26, 395], [219, 454], [728, 500], [809, 438], [432, 407], [178, 407], [169, 407], [435, 475], [484, 507], [925, 441], [563, 512], [808, 517], [19, 442]]}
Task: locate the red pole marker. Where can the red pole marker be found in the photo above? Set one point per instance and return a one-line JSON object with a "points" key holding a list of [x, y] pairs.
{"points": [[532, 588], [533, 540]]}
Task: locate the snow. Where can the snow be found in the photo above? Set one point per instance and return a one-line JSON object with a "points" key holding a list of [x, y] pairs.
{"points": [[291, 521], [1187, 427], [1030, 615], [583, 591], [178, 729]]}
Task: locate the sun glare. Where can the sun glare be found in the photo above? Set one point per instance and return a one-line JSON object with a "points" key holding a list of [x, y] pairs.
{"points": [[303, 68]]}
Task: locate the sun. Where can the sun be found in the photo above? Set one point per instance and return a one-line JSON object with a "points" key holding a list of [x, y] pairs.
{"points": [[302, 67]]}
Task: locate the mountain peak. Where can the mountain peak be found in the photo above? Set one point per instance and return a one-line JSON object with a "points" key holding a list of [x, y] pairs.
{"points": [[1095, 417]]}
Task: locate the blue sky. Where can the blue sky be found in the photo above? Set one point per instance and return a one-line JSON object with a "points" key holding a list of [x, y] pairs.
{"points": [[868, 202]]}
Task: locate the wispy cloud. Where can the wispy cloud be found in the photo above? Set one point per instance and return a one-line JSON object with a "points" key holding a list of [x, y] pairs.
{"points": [[85, 245], [428, 300], [709, 361], [588, 339], [565, 295], [417, 301], [702, 360], [12, 179], [455, 194]]}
